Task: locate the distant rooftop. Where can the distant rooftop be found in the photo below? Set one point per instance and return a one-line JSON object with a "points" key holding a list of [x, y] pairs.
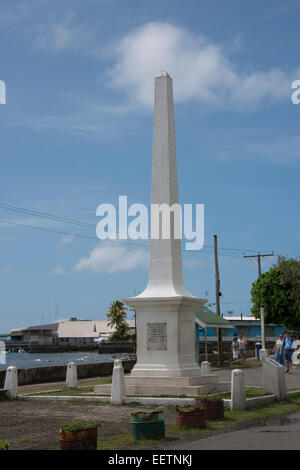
{"points": [[204, 316]]}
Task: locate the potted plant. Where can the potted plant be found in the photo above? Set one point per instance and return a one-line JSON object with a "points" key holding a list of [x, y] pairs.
{"points": [[147, 425], [78, 436], [190, 416], [4, 444], [213, 406]]}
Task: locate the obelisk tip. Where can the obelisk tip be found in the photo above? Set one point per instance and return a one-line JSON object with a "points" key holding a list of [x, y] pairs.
{"points": [[163, 73]]}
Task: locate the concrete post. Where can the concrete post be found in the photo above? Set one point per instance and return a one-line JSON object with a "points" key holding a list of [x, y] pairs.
{"points": [[118, 384], [238, 393], [263, 354], [205, 368], [11, 381], [71, 378], [274, 378]]}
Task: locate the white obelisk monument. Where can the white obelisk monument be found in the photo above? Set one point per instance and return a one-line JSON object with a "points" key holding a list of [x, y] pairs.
{"points": [[165, 310]]}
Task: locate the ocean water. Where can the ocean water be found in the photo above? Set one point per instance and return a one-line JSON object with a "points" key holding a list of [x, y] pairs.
{"points": [[28, 360]]}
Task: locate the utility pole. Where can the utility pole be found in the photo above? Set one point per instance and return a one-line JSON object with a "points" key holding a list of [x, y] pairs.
{"points": [[217, 278], [259, 256], [262, 310]]}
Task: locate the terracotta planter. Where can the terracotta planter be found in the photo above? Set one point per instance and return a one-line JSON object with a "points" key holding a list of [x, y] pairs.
{"points": [[194, 417], [78, 440], [212, 409]]}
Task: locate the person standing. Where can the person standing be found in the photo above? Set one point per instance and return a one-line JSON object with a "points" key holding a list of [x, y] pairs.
{"points": [[277, 348], [242, 347], [287, 350], [235, 348]]}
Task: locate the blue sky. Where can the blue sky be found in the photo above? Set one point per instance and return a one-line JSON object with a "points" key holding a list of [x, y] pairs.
{"points": [[76, 131]]}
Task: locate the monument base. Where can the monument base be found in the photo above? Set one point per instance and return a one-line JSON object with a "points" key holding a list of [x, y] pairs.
{"points": [[173, 386]]}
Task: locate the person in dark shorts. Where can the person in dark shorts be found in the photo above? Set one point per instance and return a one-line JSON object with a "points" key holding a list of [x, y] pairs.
{"points": [[287, 350]]}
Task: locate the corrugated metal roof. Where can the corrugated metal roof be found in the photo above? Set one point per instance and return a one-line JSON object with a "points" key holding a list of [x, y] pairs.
{"points": [[50, 326], [86, 329], [204, 316]]}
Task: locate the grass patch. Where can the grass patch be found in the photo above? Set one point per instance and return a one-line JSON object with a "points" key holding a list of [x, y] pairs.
{"points": [[81, 390], [29, 441], [63, 390], [239, 364]]}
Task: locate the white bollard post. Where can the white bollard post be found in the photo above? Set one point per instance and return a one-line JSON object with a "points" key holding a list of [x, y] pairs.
{"points": [[11, 381], [71, 377], [205, 368], [118, 384], [263, 354], [238, 393]]}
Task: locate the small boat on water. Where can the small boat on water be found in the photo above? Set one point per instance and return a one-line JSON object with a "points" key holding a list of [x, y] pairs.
{"points": [[21, 351]]}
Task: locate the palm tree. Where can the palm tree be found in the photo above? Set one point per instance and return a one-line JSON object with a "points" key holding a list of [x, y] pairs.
{"points": [[117, 315]]}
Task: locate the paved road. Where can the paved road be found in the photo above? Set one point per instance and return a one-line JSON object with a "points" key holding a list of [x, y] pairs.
{"points": [[253, 376], [285, 436]]}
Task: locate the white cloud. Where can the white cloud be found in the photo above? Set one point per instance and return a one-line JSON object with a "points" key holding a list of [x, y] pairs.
{"points": [[66, 240], [201, 70], [63, 35], [59, 270], [112, 259], [5, 271]]}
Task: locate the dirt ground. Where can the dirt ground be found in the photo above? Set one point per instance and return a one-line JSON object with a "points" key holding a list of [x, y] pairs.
{"points": [[35, 425]]}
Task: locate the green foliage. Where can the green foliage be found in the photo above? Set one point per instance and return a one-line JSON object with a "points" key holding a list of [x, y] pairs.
{"points": [[188, 408], [213, 398], [4, 444], [117, 319], [279, 290], [77, 426]]}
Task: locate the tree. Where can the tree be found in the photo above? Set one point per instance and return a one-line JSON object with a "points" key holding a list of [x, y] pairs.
{"points": [[117, 315], [279, 291]]}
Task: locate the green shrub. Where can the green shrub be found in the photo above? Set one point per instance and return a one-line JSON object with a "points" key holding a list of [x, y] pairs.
{"points": [[4, 444], [77, 426], [212, 398]]}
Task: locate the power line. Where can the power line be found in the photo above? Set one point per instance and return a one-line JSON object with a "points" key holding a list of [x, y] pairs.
{"points": [[77, 235], [84, 224]]}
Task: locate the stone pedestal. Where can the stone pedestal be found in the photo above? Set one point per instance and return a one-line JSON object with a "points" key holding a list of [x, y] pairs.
{"points": [[274, 378], [238, 392], [71, 377], [11, 381]]}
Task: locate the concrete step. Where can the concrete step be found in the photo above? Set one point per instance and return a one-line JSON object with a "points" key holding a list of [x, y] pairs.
{"points": [[170, 381], [160, 390]]}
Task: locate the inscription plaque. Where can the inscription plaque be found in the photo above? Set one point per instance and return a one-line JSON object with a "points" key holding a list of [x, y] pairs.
{"points": [[157, 337]]}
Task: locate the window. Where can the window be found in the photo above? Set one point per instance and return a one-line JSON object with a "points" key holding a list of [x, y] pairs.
{"points": [[231, 332], [255, 331], [278, 330], [210, 332]]}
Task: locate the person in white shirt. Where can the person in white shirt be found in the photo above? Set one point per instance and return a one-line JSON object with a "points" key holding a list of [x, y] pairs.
{"points": [[235, 348], [277, 350]]}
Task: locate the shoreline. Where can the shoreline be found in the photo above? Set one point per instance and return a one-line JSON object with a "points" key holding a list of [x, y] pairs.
{"points": [[47, 374]]}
